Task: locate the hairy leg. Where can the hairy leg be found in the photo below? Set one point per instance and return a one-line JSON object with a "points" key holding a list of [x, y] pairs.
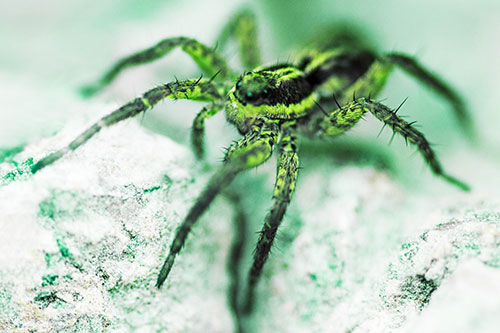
{"points": [[344, 118], [198, 90], [288, 166], [198, 128], [370, 83], [240, 222], [411, 66], [325, 124], [206, 58], [411, 135], [243, 28], [252, 150], [373, 80]]}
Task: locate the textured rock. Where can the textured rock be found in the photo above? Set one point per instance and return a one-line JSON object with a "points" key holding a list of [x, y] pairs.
{"points": [[84, 239]]}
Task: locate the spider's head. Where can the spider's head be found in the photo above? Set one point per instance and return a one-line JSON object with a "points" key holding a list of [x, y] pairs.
{"points": [[255, 88], [278, 92]]}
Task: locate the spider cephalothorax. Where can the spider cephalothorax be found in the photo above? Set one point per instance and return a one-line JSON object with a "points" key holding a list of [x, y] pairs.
{"points": [[322, 94], [278, 92]]}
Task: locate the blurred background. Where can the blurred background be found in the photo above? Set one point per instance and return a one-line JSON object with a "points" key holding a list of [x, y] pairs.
{"points": [[51, 48], [55, 46]]}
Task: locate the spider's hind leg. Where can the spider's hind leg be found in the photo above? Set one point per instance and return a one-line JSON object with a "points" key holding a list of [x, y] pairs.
{"points": [[206, 58], [417, 70], [243, 28], [240, 222], [370, 83]]}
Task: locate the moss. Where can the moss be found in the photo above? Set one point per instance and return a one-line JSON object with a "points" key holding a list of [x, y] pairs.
{"points": [[49, 279], [6, 154], [151, 189], [409, 250], [419, 289], [46, 298], [65, 253], [21, 169], [8, 314]]}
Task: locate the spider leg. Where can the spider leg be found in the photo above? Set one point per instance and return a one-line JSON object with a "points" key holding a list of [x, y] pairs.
{"points": [[240, 220], [198, 90], [411, 135], [250, 151], [370, 83], [288, 166], [243, 28], [198, 128], [418, 71], [206, 58], [342, 119], [334, 123]]}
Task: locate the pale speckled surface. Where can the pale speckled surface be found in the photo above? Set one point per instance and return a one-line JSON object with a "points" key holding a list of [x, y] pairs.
{"points": [[115, 220], [344, 260]]}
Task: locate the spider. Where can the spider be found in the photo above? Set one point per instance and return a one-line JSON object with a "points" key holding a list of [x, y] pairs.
{"points": [[322, 94]]}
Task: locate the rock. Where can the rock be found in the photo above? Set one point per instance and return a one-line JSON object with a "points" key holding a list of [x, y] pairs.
{"points": [[357, 251], [85, 238]]}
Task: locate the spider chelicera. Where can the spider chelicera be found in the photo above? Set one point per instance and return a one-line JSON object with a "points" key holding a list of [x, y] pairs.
{"points": [[270, 106]]}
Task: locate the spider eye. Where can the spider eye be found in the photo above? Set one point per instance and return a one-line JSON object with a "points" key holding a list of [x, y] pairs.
{"points": [[252, 96], [239, 84], [265, 91]]}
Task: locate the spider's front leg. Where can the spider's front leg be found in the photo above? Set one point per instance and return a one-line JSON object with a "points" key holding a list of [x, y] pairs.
{"points": [[207, 59], [251, 151], [198, 128], [345, 117], [198, 90], [286, 177]]}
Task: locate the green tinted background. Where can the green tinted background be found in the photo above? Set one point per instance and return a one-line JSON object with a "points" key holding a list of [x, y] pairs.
{"points": [[54, 46]]}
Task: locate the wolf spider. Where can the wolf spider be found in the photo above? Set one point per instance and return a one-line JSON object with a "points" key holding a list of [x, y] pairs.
{"points": [[321, 94]]}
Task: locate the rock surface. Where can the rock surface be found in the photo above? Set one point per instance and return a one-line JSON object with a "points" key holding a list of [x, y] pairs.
{"points": [[84, 239]]}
